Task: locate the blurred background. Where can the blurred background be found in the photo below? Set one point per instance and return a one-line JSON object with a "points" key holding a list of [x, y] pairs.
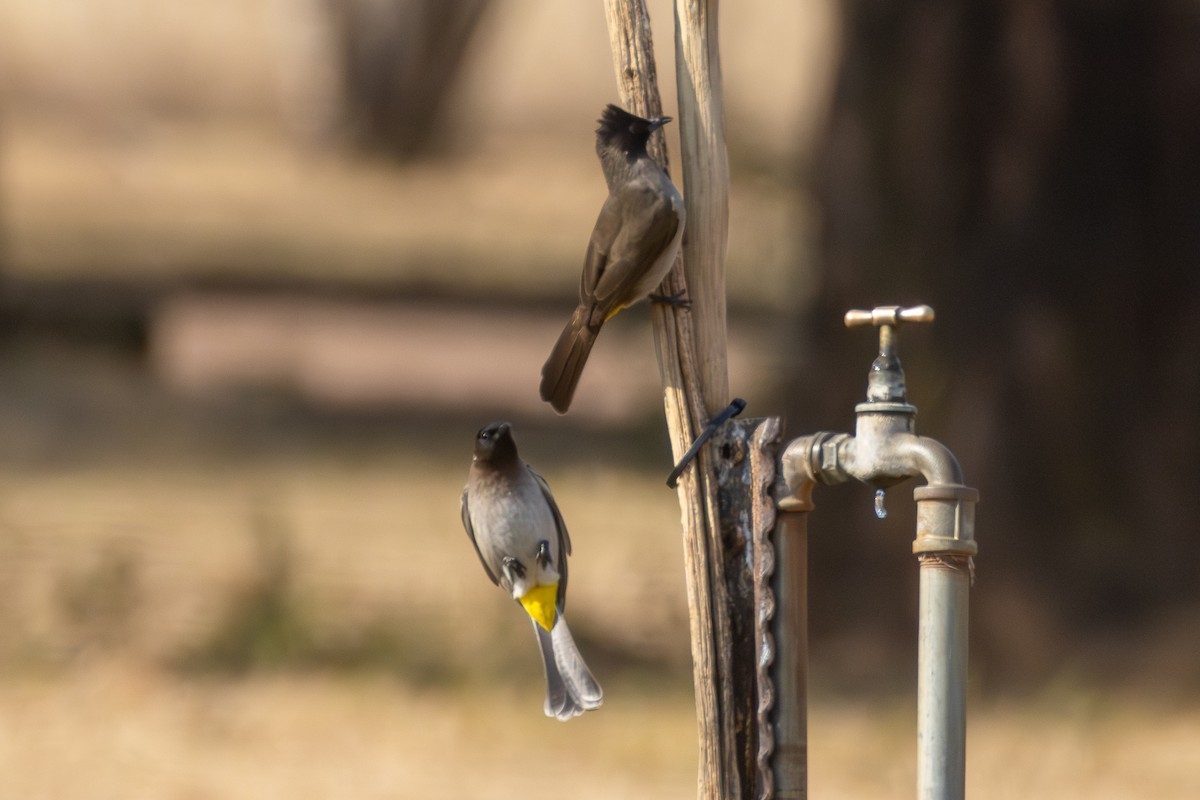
{"points": [[266, 266]]}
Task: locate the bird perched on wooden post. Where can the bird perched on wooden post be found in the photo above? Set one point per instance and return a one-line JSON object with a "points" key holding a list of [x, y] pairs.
{"points": [[632, 248], [521, 539]]}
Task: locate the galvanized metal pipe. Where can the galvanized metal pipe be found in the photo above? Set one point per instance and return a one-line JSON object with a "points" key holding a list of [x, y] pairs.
{"points": [[790, 629], [944, 545], [942, 677]]}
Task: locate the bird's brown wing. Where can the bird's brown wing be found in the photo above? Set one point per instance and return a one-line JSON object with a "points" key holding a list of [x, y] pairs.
{"points": [[635, 225], [564, 538], [466, 521], [595, 263]]}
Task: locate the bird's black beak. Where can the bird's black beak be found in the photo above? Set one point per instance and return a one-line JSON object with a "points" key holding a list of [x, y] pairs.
{"points": [[657, 123]]}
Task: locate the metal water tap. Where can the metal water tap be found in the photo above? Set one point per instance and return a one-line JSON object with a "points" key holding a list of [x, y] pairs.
{"points": [[885, 450]]}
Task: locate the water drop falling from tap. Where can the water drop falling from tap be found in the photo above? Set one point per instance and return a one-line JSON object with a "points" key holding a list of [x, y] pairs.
{"points": [[880, 508]]}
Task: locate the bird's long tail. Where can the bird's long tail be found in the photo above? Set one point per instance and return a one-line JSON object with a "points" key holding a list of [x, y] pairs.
{"points": [[560, 374], [570, 687]]}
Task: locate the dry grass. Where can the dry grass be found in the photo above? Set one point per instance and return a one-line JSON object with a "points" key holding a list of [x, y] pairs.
{"points": [[94, 705], [114, 575], [120, 732], [365, 542], [1040, 750]]}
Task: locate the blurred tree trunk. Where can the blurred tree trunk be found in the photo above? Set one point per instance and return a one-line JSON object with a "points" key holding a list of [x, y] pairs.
{"points": [[3, 219], [399, 59], [1031, 168]]}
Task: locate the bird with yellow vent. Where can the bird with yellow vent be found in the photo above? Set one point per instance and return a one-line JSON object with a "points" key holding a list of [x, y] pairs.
{"points": [[516, 527]]}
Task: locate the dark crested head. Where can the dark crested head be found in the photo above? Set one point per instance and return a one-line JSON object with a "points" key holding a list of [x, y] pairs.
{"points": [[628, 132], [494, 443]]}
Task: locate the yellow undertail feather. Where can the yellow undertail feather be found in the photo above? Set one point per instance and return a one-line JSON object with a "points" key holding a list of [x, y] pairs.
{"points": [[541, 603]]}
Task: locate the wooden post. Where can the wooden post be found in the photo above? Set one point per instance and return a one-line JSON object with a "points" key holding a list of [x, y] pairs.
{"points": [[691, 348], [706, 187]]}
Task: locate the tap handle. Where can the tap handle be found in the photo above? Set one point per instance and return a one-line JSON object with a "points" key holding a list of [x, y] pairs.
{"points": [[887, 319], [885, 382], [888, 315]]}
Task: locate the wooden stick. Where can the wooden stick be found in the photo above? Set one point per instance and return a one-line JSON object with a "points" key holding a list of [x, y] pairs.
{"points": [[687, 400], [706, 186]]}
